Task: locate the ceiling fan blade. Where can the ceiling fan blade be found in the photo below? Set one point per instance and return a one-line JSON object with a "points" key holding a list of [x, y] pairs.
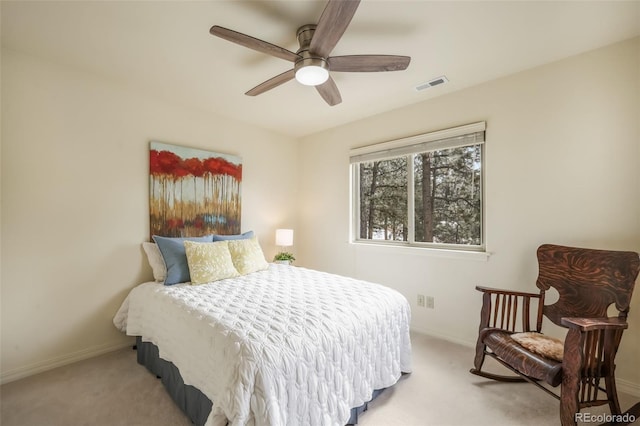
{"points": [[332, 24], [329, 92], [253, 43], [368, 63], [272, 82]]}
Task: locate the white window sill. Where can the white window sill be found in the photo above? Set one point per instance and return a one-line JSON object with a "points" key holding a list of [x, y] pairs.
{"points": [[423, 251]]}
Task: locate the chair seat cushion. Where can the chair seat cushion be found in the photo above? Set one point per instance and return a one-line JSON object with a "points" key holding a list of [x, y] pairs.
{"points": [[522, 359], [548, 347]]}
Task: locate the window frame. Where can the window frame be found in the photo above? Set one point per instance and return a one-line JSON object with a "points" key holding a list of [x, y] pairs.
{"points": [[409, 147]]}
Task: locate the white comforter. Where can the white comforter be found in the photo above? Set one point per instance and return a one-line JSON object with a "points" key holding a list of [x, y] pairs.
{"points": [[284, 346]]}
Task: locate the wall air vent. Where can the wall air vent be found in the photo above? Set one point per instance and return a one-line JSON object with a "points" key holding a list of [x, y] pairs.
{"points": [[434, 82]]}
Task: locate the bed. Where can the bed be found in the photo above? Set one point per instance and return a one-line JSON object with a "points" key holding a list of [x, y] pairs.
{"points": [[280, 346]]}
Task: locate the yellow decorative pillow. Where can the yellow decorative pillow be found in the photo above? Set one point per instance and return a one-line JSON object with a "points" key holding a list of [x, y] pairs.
{"points": [[209, 261], [247, 255]]}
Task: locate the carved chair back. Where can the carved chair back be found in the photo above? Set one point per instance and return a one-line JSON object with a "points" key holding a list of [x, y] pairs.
{"points": [[588, 281]]}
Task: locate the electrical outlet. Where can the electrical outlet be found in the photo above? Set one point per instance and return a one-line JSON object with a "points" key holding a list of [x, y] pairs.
{"points": [[430, 302], [421, 300]]}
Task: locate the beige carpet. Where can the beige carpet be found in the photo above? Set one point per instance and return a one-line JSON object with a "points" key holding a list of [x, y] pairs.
{"points": [[113, 390]]}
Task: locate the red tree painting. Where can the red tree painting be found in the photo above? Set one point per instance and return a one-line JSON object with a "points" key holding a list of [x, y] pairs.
{"points": [[193, 192]]}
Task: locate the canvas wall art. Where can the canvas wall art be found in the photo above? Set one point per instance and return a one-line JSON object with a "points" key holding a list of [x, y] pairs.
{"points": [[193, 192]]}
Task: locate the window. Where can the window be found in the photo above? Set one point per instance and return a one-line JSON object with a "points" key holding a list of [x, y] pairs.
{"points": [[425, 190]]}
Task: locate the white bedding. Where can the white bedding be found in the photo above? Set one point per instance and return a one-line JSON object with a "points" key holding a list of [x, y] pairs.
{"points": [[284, 346]]}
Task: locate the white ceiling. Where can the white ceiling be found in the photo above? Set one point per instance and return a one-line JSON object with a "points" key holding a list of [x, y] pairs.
{"points": [[164, 48]]}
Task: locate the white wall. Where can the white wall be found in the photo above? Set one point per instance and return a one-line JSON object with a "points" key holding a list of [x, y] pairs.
{"points": [[75, 202], [562, 157], [562, 154]]}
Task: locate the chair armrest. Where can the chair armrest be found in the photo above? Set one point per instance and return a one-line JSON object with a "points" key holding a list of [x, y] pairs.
{"points": [[588, 324], [507, 292]]}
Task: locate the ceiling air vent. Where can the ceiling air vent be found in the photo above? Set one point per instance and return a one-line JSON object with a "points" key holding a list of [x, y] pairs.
{"points": [[435, 82]]}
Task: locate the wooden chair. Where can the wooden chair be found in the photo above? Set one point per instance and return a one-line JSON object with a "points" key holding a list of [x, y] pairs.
{"points": [[588, 282]]}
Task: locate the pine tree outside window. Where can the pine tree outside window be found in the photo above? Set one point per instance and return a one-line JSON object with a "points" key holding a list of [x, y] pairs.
{"points": [[424, 191]]}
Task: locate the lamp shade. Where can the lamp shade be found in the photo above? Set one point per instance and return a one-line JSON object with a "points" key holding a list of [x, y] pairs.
{"points": [[284, 237]]}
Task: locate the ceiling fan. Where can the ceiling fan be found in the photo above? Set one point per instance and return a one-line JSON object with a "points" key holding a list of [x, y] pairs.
{"points": [[312, 62]]}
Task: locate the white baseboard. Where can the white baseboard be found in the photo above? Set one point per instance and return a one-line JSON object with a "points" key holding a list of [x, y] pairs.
{"points": [[50, 364], [444, 337], [625, 386]]}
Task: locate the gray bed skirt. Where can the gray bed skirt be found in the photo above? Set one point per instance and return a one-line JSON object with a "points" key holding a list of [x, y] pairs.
{"points": [[191, 401]]}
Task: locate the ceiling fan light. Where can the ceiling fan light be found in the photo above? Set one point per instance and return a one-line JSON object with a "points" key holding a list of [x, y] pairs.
{"points": [[312, 75], [312, 71]]}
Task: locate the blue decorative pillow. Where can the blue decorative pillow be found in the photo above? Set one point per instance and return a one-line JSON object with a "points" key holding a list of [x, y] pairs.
{"points": [[247, 235], [175, 257]]}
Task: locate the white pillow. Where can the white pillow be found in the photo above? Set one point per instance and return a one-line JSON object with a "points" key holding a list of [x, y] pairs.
{"points": [[155, 261]]}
